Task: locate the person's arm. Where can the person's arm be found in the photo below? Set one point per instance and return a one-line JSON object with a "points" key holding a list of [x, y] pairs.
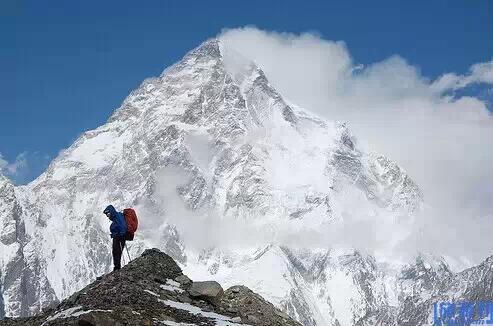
{"points": [[113, 229]]}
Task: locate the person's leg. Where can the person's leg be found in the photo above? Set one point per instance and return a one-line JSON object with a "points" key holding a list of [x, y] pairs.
{"points": [[117, 253], [122, 244]]}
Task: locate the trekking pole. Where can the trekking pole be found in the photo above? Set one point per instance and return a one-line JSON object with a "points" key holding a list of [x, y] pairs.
{"points": [[129, 259], [122, 256]]}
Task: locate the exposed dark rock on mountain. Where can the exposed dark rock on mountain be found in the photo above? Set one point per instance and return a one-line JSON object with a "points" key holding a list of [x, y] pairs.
{"points": [[151, 290]]}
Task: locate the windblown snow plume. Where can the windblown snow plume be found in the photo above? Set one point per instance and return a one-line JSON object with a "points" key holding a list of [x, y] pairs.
{"points": [[440, 138]]}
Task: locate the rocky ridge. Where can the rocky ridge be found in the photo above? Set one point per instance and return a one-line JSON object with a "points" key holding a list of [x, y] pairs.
{"points": [[152, 290]]}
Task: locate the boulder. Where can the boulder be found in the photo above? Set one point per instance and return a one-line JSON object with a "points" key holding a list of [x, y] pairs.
{"points": [[209, 291]]}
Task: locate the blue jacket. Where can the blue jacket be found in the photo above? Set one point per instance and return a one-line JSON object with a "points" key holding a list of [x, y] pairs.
{"points": [[118, 225]]}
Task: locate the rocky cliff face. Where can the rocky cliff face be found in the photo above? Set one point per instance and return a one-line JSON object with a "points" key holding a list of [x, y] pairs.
{"points": [[232, 181], [152, 290]]}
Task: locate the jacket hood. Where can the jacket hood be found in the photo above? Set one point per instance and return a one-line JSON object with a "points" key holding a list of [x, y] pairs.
{"points": [[111, 210]]}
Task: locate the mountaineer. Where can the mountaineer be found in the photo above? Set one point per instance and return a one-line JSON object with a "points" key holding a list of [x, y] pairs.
{"points": [[118, 230], [123, 227]]}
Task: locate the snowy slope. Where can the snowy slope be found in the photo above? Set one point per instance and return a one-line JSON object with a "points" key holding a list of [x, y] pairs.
{"points": [[233, 182]]}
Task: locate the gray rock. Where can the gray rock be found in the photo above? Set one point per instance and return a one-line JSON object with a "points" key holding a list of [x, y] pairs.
{"points": [[253, 309], [282, 314], [253, 319], [184, 298], [210, 291], [183, 280]]}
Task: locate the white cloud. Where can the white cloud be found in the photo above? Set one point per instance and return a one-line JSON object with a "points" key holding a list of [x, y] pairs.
{"points": [[3, 163], [16, 170], [14, 167], [443, 141], [478, 73]]}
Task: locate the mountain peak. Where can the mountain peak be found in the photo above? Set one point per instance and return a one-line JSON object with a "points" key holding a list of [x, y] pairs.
{"points": [[152, 290], [210, 48]]}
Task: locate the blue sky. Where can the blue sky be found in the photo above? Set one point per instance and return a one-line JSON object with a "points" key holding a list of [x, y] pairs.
{"points": [[64, 67]]}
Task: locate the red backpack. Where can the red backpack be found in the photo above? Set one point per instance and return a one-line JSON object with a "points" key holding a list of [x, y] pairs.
{"points": [[132, 223]]}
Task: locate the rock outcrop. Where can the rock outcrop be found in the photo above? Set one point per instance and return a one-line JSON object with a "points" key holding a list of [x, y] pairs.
{"points": [[152, 290]]}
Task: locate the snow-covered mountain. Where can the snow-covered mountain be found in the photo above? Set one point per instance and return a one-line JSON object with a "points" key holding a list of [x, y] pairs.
{"points": [[237, 184]]}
